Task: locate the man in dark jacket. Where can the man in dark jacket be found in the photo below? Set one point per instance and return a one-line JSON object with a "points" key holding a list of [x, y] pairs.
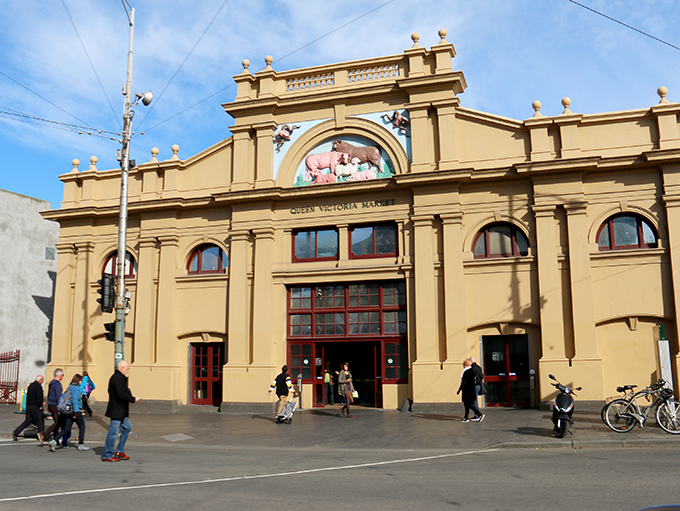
{"points": [[118, 411], [479, 378], [34, 413], [53, 395]]}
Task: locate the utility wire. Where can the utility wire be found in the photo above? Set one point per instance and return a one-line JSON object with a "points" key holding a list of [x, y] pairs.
{"points": [[185, 60], [44, 99], [91, 64], [624, 24], [276, 60], [73, 128]]}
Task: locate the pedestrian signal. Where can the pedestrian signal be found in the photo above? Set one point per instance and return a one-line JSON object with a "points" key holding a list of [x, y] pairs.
{"points": [[110, 333]]}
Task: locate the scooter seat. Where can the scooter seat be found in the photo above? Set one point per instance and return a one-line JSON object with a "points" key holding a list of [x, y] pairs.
{"points": [[625, 388]]}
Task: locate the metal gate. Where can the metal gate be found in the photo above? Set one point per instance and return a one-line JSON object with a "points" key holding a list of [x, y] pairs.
{"points": [[9, 376]]}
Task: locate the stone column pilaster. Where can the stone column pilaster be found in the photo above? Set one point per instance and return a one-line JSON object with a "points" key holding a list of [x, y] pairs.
{"points": [[81, 302], [145, 302]]}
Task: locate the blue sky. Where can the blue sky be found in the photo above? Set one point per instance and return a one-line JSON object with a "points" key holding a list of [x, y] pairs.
{"points": [[512, 52]]}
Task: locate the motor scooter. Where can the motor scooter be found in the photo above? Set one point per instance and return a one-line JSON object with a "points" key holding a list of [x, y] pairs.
{"points": [[563, 408]]}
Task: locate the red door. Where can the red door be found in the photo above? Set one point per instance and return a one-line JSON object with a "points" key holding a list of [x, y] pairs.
{"points": [[506, 370], [206, 373]]}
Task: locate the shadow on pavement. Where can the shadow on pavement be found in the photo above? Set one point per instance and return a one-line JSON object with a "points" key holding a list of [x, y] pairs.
{"points": [[270, 419], [436, 417]]}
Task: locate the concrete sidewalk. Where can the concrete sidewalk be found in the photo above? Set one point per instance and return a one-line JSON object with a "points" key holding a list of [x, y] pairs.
{"points": [[370, 429]]}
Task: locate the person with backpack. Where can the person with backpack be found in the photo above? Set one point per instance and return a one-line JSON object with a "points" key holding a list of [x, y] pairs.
{"points": [[479, 379], [71, 406], [86, 388]]}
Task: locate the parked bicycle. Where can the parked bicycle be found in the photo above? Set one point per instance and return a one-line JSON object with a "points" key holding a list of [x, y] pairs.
{"points": [[621, 415], [626, 390]]}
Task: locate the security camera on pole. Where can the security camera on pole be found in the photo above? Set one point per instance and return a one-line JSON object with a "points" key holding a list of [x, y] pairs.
{"points": [[121, 301]]}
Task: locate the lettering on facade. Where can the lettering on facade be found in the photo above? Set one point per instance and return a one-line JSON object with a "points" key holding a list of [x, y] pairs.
{"points": [[344, 206]]}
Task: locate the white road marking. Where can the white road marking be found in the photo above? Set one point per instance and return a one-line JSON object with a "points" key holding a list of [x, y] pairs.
{"points": [[243, 478]]}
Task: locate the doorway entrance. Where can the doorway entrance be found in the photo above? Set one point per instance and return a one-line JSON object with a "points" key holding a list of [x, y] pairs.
{"points": [[506, 369], [363, 358], [206, 373]]}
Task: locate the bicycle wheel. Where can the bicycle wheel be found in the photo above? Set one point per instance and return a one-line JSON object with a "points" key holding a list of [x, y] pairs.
{"points": [[617, 418], [667, 416]]}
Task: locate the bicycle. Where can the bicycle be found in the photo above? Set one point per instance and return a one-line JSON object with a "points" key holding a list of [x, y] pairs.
{"points": [[621, 415], [626, 390]]}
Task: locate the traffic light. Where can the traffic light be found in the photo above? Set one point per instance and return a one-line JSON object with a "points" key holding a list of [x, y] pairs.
{"points": [[110, 333], [108, 292]]}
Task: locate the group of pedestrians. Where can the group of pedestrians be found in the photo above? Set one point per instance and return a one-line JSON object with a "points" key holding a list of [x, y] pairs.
{"points": [[68, 407]]}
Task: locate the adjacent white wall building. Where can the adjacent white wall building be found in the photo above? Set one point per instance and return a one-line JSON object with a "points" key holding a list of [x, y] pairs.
{"points": [[28, 271]]}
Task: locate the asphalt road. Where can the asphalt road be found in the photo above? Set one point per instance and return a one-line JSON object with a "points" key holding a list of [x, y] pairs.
{"points": [[185, 476]]}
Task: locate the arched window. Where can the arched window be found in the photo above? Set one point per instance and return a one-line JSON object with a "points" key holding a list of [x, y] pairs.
{"points": [[111, 265], [626, 231], [500, 240], [207, 259]]}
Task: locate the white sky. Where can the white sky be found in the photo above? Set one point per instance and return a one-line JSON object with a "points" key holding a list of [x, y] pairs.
{"points": [[512, 52]]}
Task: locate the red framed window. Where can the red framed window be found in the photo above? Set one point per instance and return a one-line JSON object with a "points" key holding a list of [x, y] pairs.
{"points": [[354, 310], [625, 232], [300, 360], [315, 245], [207, 258], [130, 267], [373, 241], [500, 239], [396, 361]]}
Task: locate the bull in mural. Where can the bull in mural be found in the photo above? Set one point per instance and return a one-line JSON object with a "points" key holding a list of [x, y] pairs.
{"points": [[369, 154]]}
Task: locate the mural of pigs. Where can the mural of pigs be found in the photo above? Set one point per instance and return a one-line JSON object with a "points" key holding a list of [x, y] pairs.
{"points": [[316, 162], [363, 175], [369, 154]]}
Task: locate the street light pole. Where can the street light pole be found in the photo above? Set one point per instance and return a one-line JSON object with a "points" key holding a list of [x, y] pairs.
{"points": [[123, 213]]}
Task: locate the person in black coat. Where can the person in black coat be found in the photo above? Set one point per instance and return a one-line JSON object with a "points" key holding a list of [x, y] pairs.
{"points": [[35, 399], [118, 411], [467, 387]]}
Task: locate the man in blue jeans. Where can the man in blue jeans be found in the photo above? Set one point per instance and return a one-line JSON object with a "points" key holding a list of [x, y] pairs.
{"points": [[118, 411]]}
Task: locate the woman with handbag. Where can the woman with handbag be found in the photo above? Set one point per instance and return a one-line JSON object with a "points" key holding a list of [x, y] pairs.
{"points": [[346, 389]]}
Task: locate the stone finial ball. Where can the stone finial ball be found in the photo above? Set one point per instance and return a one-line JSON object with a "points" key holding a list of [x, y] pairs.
{"points": [[246, 63], [415, 37], [75, 162], [536, 105], [175, 148], [94, 160], [566, 102], [268, 60], [662, 91], [442, 33], [154, 151]]}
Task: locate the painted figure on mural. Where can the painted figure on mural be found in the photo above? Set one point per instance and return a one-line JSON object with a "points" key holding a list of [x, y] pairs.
{"points": [[370, 154], [398, 121], [284, 135]]}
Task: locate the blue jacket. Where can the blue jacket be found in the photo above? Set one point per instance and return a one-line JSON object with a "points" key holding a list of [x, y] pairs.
{"points": [[83, 385], [76, 398], [54, 393]]}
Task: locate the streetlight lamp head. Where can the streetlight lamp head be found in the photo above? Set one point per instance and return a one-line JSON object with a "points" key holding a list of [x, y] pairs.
{"points": [[144, 98]]}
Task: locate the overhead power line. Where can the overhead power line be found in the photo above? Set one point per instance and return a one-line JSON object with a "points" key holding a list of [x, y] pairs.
{"points": [[275, 60], [16, 115], [45, 99], [82, 44], [210, 24], [624, 24]]}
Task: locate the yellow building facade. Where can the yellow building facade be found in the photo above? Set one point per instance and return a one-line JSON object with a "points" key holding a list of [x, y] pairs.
{"points": [[359, 213]]}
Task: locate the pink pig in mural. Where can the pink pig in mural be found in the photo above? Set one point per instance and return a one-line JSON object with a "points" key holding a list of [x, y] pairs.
{"points": [[316, 162]]}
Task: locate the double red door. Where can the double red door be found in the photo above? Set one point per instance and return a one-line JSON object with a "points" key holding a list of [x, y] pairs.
{"points": [[507, 370], [206, 373]]}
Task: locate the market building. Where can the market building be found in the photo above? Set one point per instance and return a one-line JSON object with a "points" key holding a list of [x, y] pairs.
{"points": [[360, 213]]}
